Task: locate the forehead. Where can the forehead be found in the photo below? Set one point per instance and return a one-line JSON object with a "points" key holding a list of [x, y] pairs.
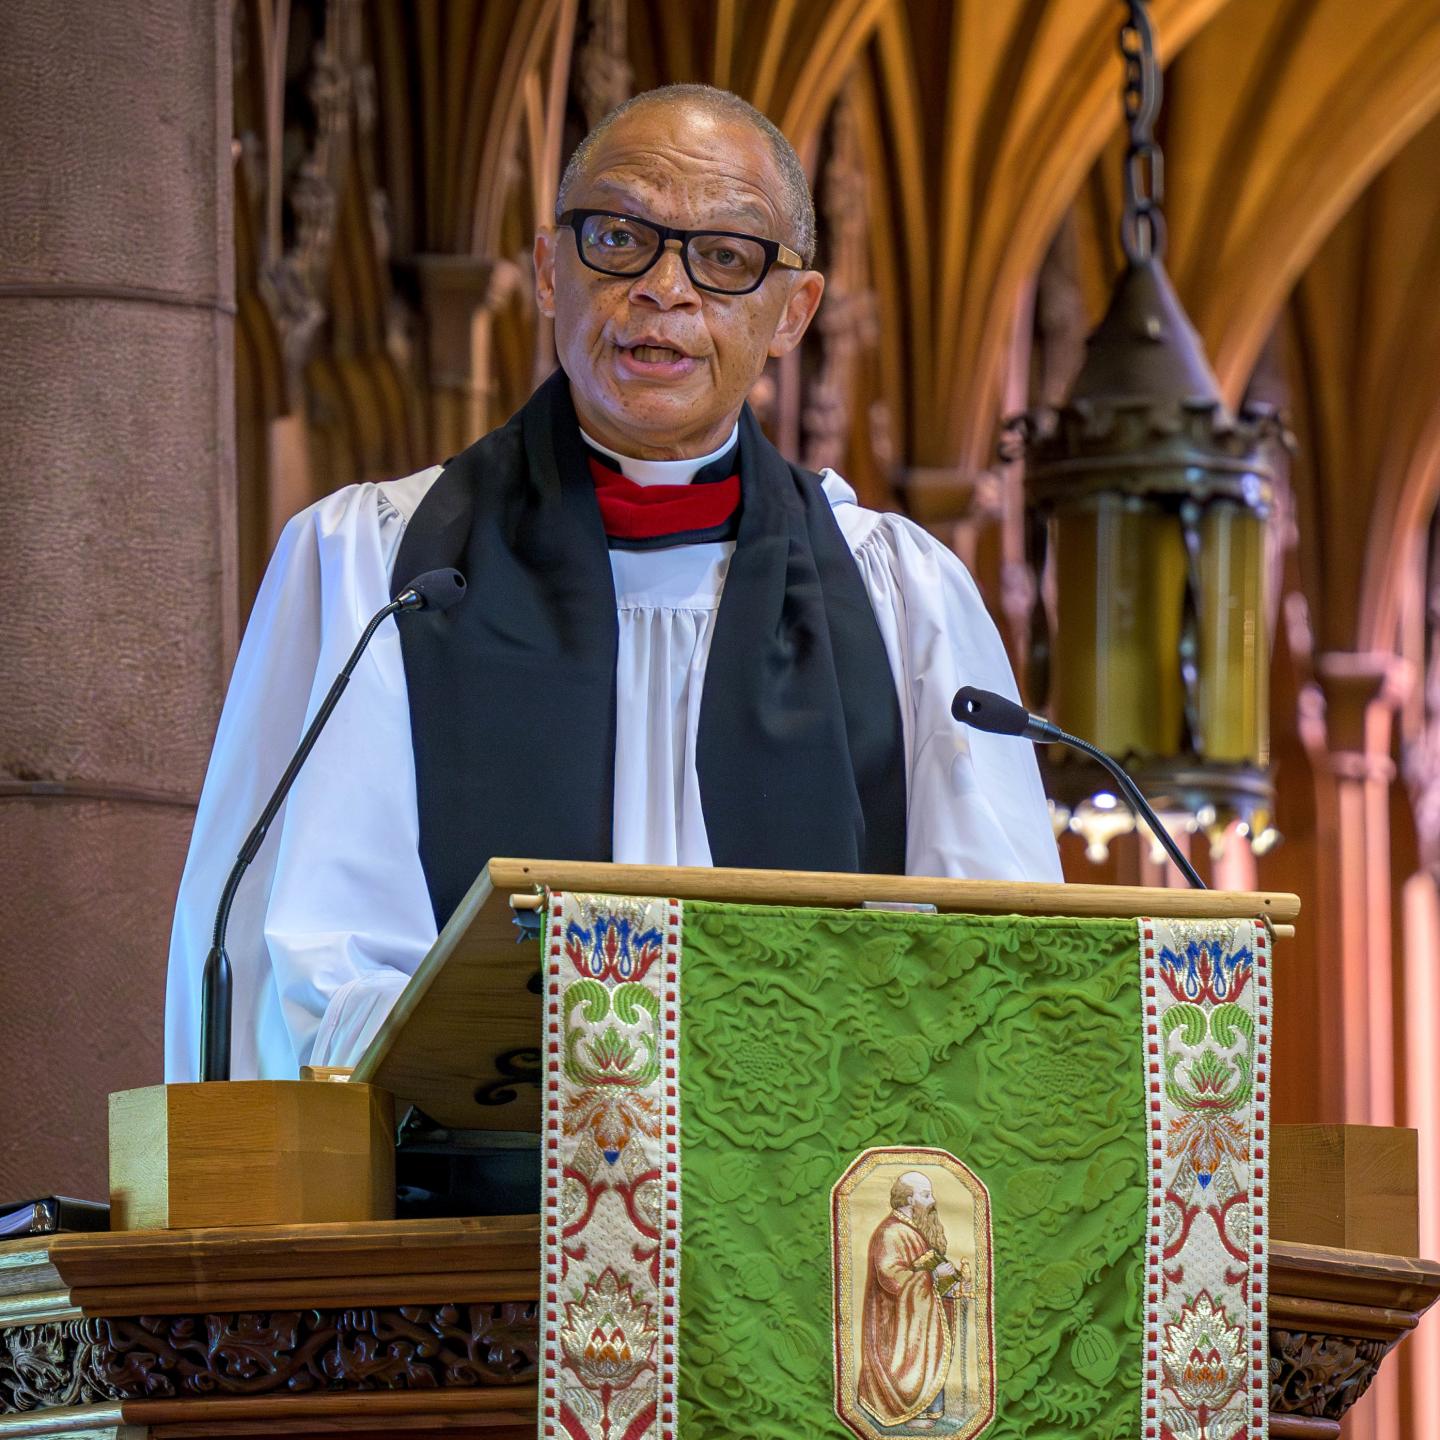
{"points": [[686, 167]]}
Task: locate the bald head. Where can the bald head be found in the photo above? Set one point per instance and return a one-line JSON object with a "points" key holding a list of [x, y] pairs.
{"points": [[910, 1187], [793, 201]]}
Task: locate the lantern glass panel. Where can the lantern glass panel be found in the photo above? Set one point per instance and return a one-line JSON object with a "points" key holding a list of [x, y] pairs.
{"points": [[1120, 572], [1234, 645]]}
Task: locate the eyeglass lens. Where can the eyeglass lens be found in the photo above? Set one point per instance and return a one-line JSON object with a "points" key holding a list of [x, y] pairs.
{"points": [[618, 246]]}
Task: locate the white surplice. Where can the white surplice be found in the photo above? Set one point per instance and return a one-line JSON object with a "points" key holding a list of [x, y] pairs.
{"points": [[334, 915]]}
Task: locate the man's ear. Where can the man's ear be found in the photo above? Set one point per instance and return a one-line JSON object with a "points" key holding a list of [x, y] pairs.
{"points": [[804, 300], [544, 258]]}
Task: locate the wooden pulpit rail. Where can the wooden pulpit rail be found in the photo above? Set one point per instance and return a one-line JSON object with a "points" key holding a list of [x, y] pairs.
{"points": [[506, 1413], [133, 1272], [1334, 1317], [500, 1414], [461, 1041], [845, 891]]}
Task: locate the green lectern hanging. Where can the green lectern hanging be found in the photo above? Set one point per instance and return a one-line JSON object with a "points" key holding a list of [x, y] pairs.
{"points": [[829, 1173]]}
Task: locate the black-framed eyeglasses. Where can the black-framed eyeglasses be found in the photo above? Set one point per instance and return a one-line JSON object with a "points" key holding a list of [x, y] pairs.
{"points": [[722, 261]]}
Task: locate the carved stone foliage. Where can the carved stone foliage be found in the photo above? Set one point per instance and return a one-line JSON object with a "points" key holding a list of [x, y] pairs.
{"points": [[847, 323], [408, 1347], [1321, 1375], [603, 76], [294, 277]]}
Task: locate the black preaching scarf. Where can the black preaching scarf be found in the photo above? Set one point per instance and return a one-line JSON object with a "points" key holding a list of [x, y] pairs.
{"points": [[512, 692]]}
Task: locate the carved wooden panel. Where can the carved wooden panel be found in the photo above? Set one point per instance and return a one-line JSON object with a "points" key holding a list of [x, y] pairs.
{"points": [[1321, 1375], [427, 1347], [406, 1347]]}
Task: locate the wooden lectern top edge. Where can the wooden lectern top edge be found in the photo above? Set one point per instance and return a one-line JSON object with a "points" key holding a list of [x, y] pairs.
{"points": [[826, 889], [462, 1033]]}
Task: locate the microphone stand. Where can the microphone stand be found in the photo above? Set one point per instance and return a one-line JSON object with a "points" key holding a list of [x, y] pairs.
{"points": [[217, 981]]}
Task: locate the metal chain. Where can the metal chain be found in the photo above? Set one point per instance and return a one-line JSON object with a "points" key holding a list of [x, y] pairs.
{"points": [[1142, 227]]}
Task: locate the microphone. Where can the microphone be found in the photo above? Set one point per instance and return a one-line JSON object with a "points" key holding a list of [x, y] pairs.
{"points": [[435, 590], [996, 715]]}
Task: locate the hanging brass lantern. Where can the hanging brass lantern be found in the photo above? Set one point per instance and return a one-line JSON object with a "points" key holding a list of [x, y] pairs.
{"points": [[1147, 507]]}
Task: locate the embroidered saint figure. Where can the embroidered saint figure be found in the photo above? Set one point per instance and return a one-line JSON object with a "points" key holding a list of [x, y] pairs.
{"points": [[913, 1292]]}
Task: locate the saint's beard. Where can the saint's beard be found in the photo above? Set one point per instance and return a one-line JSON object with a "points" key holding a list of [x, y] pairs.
{"points": [[927, 1222]]}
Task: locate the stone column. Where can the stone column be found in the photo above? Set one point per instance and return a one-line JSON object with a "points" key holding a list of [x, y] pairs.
{"points": [[1349, 740], [1362, 692], [116, 542]]}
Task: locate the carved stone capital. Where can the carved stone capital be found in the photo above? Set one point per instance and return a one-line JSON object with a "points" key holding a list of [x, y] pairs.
{"points": [[453, 289], [1353, 685], [937, 494], [603, 74]]}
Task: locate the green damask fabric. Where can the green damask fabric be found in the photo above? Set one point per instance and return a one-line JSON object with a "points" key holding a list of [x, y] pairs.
{"points": [[1013, 1043]]}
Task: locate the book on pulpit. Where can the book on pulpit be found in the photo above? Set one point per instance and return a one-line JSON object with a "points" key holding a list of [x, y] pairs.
{"points": [[51, 1214]]}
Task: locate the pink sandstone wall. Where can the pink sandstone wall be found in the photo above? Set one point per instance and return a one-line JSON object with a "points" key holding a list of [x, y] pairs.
{"points": [[116, 540]]}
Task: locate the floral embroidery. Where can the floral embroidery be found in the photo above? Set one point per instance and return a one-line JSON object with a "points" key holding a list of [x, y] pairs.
{"points": [[617, 944], [1205, 1365], [608, 1335], [1207, 1012], [1206, 1131], [1203, 968], [612, 1056], [612, 1164]]}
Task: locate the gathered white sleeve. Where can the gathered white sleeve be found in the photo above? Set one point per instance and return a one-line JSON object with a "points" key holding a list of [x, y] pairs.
{"points": [[334, 914], [977, 809]]}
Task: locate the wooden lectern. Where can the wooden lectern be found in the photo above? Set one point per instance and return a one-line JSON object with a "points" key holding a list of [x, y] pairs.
{"points": [[380, 1325]]}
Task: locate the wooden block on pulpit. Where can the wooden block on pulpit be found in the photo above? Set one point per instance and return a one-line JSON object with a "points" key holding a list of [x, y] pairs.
{"points": [[250, 1152], [1353, 1187]]}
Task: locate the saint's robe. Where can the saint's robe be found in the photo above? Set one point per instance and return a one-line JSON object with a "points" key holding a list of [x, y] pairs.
{"points": [[906, 1329]]}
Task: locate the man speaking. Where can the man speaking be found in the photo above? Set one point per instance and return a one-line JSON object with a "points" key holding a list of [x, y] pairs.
{"points": [[676, 647]]}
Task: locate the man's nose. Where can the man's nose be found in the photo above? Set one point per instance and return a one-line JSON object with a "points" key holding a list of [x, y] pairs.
{"points": [[667, 283]]}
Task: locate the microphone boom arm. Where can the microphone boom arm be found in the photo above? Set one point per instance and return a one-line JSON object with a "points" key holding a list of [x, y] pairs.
{"points": [[1138, 804], [217, 980]]}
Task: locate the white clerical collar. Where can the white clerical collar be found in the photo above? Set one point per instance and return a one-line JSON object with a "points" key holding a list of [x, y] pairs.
{"points": [[660, 472]]}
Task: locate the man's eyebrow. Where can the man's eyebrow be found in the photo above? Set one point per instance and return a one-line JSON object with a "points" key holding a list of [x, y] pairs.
{"points": [[742, 213], [751, 215]]}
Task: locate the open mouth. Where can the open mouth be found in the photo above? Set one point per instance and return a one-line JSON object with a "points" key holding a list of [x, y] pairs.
{"points": [[655, 354], [651, 360]]}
